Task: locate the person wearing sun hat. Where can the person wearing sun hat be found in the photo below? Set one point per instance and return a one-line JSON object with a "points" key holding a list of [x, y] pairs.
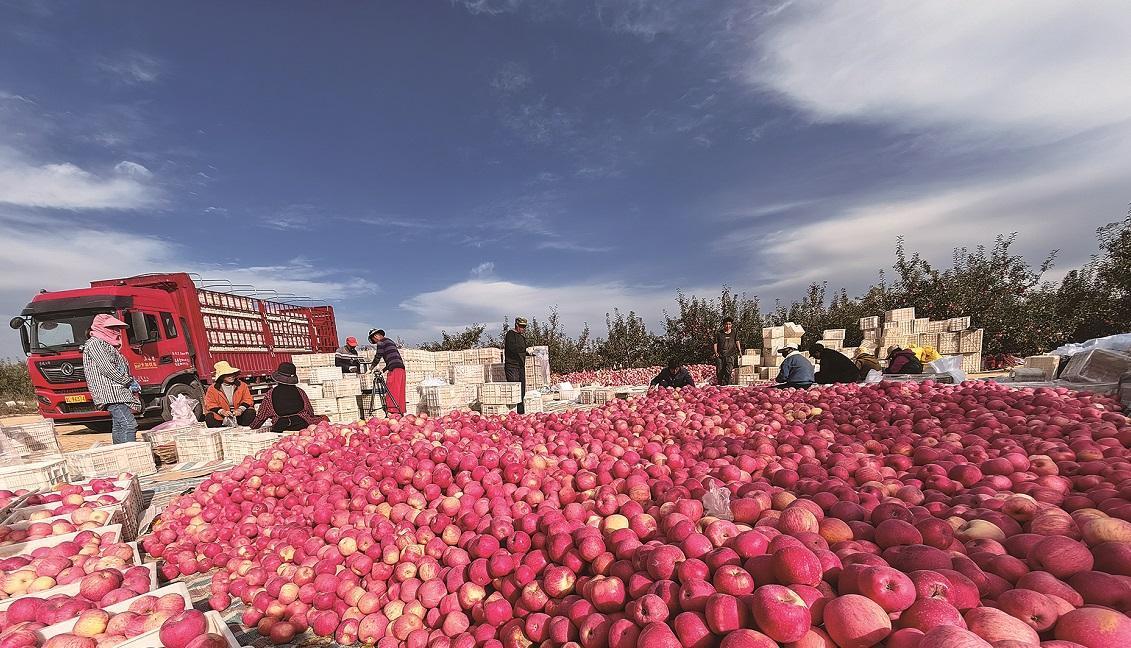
{"points": [[285, 405], [112, 387], [228, 398]]}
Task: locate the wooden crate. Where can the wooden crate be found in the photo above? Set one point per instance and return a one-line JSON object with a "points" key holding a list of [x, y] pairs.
{"points": [[970, 341], [237, 445], [110, 461], [869, 323], [956, 324], [33, 476], [27, 441], [971, 362], [348, 386], [308, 360], [899, 315], [948, 343], [204, 445], [467, 374], [1047, 364], [312, 391], [500, 393]]}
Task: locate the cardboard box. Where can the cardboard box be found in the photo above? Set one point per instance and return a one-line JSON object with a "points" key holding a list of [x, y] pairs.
{"points": [[346, 386], [869, 323], [833, 334], [769, 373], [794, 330]]}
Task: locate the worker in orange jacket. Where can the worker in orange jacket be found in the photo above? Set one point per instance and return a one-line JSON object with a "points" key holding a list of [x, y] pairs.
{"points": [[228, 397]]}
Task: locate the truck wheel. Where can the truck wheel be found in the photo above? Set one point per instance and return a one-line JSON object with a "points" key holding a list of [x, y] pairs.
{"points": [[192, 391]]}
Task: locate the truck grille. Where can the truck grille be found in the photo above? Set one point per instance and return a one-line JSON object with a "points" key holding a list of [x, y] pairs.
{"points": [[62, 371], [75, 408]]}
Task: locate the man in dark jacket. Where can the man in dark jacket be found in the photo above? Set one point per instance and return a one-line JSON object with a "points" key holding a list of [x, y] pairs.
{"points": [[726, 348], [347, 358], [835, 366], [903, 361], [387, 350], [675, 375], [515, 350]]}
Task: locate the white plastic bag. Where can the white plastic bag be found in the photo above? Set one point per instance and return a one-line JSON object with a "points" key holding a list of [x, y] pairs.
{"points": [[183, 410], [945, 364], [1120, 342], [873, 377], [716, 503]]}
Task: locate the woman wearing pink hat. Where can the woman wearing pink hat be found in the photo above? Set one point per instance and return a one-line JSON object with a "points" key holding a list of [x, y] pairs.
{"points": [[112, 388]]}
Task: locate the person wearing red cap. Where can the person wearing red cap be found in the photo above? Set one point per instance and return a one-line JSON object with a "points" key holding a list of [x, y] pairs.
{"points": [[112, 388], [346, 357]]}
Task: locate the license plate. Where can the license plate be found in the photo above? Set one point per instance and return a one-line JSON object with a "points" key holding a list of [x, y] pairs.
{"points": [[77, 398]]}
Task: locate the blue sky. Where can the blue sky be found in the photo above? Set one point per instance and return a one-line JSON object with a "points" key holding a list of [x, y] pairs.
{"points": [[425, 165]]}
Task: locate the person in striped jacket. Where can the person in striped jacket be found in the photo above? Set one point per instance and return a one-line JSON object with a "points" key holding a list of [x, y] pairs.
{"points": [[108, 377]]}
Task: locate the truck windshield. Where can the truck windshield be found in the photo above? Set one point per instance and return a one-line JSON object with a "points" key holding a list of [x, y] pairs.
{"points": [[58, 331]]}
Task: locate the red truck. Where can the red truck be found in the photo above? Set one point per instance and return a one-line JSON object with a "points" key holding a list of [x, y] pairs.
{"points": [[178, 328]]}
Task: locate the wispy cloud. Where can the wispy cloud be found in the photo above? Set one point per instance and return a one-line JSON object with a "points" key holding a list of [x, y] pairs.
{"points": [[573, 246], [510, 78], [297, 217], [131, 67], [539, 122], [485, 269]]}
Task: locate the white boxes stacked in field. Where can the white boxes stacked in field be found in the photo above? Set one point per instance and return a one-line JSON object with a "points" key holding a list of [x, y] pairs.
{"points": [[900, 327], [502, 393], [775, 338]]}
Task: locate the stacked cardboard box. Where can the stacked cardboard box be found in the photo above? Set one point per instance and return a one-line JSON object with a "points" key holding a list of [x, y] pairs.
{"points": [[502, 393], [467, 374], [775, 338]]}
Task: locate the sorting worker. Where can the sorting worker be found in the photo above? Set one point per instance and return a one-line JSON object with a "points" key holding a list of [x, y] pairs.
{"points": [[387, 350], [866, 362], [795, 370], [286, 405], [835, 366], [515, 350], [675, 375], [903, 361], [726, 348], [227, 397], [347, 358]]}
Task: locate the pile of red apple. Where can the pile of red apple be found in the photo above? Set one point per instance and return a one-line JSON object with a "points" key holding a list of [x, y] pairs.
{"points": [[88, 516], [64, 563], [896, 515], [701, 373]]}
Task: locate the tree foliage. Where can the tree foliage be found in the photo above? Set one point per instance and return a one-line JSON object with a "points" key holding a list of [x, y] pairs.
{"points": [[1020, 309], [469, 338]]}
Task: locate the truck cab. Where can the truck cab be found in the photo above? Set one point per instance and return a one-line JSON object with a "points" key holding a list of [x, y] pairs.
{"points": [[54, 326]]}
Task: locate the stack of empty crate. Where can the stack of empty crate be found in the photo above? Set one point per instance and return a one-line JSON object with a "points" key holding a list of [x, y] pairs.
{"points": [[774, 338], [499, 397], [901, 328], [331, 393], [747, 372]]}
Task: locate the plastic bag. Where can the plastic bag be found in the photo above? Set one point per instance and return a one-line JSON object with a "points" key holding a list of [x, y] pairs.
{"points": [[230, 421], [716, 503], [433, 382], [183, 410], [1120, 342], [873, 377], [948, 366]]}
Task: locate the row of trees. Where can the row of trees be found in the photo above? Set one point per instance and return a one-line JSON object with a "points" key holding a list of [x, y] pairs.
{"points": [[1021, 311]]}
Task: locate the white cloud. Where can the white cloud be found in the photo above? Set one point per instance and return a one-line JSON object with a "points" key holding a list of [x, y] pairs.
{"points": [[61, 253], [485, 269], [1044, 68], [1026, 91], [67, 186], [510, 78], [132, 67], [491, 300]]}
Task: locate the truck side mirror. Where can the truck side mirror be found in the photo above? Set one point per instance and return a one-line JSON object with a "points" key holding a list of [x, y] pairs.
{"points": [[16, 323], [139, 329]]}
